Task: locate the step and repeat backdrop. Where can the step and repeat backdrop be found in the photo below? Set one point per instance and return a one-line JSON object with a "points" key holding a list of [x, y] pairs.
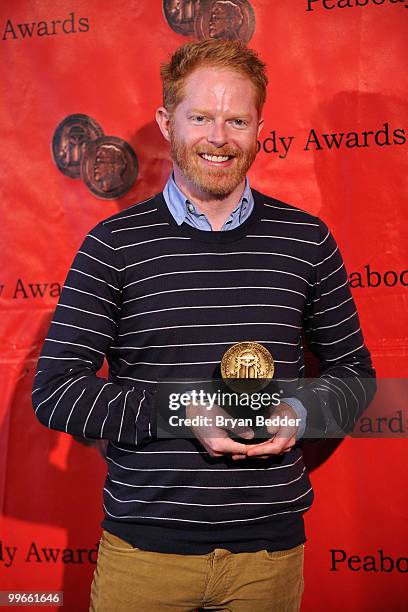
{"points": [[79, 88]]}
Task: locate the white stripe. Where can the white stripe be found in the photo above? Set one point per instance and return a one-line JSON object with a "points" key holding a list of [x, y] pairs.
{"points": [[342, 380], [289, 222], [326, 293], [107, 414], [331, 273], [229, 469], [98, 297], [331, 308], [92, 407], [95, 278], [142, 380], [345, 354], [283, 238], [96, 314], [323, 388], [222, 487], [127, 229], [324, 239], [101, 262], [139, 263], [162, 452], [223, 306], [358, 380], [83, 329], [102, 242], [75, 344], [335, 341], [141, 331], [335, 289], [123, 413], [72, 409], [212, 272], [335, 324], [135, 244], [145, 212], [178, 363], [141, 348], [138, 412], [160, 518], [66, 359], [328, 257], [60, 398], [288, 209], [52, 394], [186, 363], [141, 297], [176, 503]]}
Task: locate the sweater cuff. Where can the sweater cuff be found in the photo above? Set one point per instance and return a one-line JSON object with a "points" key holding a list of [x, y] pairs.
{"points": [[301, 413]]}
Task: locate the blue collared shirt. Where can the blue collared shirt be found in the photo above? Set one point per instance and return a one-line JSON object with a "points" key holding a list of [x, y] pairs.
{"points": [[185, 211]]}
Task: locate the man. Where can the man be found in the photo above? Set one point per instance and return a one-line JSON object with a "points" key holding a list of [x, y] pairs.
{"points": [[164, 289]]}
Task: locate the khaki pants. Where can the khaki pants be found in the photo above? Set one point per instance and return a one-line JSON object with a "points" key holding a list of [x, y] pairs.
{"points": [[129, 579]]}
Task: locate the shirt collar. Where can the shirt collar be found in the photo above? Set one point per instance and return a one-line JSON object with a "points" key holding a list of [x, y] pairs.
{"points": [[184, 210]]}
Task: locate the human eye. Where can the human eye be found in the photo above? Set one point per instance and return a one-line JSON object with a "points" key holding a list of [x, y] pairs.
{"points": [[198, 119], [239, 123]]}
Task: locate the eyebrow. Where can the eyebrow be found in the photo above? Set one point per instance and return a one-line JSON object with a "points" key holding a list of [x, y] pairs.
{"points": [[199, 111]]}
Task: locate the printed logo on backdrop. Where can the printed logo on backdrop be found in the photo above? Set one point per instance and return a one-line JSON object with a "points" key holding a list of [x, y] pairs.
{"points": [[107, 165], [342, 560], [13, 30], [315, 5], [229, 19], [282, 145]]}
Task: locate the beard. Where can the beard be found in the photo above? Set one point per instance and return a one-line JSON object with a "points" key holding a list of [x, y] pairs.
{"points": [[216, 182]]}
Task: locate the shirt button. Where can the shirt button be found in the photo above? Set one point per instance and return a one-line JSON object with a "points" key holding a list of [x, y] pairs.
{"points": [[190, 207]]}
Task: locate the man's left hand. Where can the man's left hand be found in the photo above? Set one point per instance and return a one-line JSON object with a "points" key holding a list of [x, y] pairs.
{"points": [[283, 438]]}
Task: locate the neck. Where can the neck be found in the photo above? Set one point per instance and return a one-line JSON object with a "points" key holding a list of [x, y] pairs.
{"points": [[216, 210]]}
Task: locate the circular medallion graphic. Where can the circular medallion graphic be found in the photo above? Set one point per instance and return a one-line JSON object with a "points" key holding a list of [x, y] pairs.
{"points": [[69, 141], [109, 167], [249, 364], [229, 19], [180, 15]]}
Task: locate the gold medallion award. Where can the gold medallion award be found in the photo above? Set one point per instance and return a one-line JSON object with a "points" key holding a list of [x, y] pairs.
{"points": [[247, 366]]}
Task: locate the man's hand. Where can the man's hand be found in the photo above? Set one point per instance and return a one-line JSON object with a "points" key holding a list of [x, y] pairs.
{"points": [[216, 439], [283, 437]]}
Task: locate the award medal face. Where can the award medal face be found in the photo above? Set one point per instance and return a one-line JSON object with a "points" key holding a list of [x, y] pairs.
{"points": [[69, 141], [247, 366], [109, 167]]}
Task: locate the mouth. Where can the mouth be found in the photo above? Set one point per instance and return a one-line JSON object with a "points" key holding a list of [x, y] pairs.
{"points": [[218, 160]]}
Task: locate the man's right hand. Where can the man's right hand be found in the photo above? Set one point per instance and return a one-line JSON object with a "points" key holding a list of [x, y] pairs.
{"points": [[216, 439]]}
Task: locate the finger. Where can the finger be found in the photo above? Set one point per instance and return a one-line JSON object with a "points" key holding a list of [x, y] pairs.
{"points": [[237, 457], [273, 447], [227, 445]]}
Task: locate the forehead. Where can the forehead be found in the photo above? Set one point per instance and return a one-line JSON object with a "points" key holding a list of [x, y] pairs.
{"points": [[219, 87]]}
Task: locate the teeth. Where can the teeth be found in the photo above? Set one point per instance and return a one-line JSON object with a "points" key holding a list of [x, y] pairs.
{"points": [[215, 158]]}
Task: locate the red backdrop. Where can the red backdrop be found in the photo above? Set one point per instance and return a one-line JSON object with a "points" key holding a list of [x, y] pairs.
{"points": [[335, 67]]}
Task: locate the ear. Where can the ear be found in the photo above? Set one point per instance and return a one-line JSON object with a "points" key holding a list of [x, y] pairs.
{"points": [[163, 120], [260, 126]]}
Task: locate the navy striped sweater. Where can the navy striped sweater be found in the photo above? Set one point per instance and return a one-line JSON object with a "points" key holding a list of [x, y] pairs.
{"points": [[163, 301]]}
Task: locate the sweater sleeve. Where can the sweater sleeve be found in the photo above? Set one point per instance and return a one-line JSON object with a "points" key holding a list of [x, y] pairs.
{"points": [[68, 395], [346, 384]]}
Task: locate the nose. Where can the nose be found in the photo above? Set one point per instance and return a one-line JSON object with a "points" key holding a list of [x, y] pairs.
{"points": [[217, 134]]}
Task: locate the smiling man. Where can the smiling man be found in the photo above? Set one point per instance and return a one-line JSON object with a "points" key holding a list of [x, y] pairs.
{"points": [[164, 289]]}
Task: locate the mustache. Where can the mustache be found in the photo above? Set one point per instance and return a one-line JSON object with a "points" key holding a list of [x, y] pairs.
{"points": [[222, 151]]}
